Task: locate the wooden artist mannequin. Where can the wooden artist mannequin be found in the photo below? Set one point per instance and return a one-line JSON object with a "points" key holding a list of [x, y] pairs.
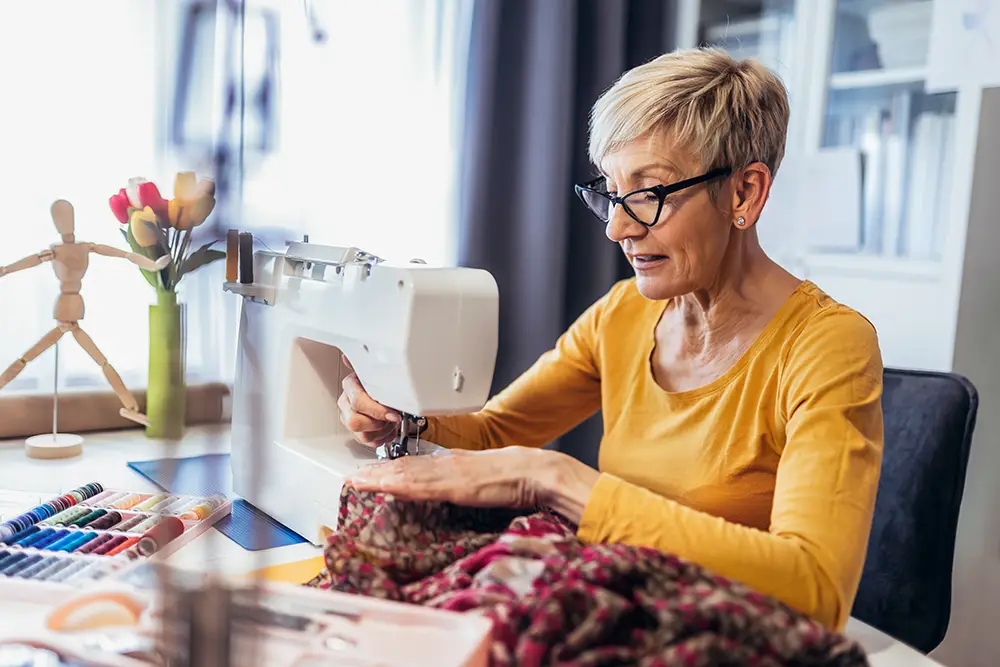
{"points": [[70, 260]]}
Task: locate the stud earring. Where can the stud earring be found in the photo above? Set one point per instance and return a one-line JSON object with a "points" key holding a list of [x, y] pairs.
{"points": [[740, 221]]}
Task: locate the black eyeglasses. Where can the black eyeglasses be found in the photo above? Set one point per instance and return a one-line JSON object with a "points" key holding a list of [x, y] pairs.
{"points": [[643, 206]]}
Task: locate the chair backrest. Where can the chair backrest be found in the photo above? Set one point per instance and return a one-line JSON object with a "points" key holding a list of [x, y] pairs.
{"points": [[905, 588]]}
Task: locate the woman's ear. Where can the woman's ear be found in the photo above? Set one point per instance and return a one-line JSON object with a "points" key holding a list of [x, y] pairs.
{"points": [[751, 186]]}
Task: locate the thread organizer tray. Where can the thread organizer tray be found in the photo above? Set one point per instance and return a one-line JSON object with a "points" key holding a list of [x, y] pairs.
{"points": [[92, 534]]}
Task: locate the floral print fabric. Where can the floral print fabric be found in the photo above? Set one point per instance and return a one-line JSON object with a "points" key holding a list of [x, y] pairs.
{"points": [[556, 601]]}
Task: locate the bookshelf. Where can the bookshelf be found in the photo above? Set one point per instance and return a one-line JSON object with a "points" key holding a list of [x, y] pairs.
{"points": [[855, 73]]}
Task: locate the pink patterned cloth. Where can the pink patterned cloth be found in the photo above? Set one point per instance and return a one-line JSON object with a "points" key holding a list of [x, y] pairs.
{"points": [[556, 601]]}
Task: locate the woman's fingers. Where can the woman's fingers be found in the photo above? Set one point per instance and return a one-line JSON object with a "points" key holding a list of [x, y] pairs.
{"points": [[379, 437], [362, 403]]}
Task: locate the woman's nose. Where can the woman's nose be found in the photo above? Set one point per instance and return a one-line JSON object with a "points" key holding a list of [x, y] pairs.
{"points": [[622, 226]]}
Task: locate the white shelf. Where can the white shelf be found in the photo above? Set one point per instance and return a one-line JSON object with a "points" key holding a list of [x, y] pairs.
{"points": [[874, 266], [877, 77]]}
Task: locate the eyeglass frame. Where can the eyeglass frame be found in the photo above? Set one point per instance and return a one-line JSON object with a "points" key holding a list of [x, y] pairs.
{"points": [[661, 192]]}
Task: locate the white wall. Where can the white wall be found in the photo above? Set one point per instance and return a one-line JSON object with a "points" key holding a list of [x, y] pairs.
{"points": [[973, 639]]}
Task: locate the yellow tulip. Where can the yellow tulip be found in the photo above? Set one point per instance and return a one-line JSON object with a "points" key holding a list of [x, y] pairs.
{"points": [[144, 230], [193, 201]]}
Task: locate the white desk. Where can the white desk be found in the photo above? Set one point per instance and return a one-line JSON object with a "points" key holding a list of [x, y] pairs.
{"points": [[104, 458]]}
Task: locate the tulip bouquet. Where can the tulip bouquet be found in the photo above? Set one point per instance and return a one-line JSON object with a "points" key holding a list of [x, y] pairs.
{"points": [[154, 226]]}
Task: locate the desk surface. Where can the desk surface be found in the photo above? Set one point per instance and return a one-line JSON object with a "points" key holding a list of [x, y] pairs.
{"points": [[104, 458]]}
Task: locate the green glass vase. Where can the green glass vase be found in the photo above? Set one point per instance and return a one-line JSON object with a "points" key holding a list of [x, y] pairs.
{"points": [[166, 395]]}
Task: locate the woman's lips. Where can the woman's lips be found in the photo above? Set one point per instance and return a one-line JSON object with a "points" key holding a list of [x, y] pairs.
{"points": [[647, 262]]}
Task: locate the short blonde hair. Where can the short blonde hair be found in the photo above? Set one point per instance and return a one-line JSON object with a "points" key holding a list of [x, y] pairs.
{"points": [[727, 112]]}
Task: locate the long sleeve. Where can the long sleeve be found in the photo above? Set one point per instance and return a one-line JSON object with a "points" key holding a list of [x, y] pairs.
{"points": [[560, 390], [829, 385]]}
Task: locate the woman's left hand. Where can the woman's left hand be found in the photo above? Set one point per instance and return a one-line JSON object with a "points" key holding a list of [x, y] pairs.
{"points": [[495, 478], [516, 477]]}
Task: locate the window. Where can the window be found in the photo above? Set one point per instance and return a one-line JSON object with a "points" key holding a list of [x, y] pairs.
{"points": [[367, 147], [361, 152]]}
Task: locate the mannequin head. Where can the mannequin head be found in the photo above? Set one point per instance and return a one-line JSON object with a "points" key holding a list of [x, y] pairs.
{"points": [[62, 216]]}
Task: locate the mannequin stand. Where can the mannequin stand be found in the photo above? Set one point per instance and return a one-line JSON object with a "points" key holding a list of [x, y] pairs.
{"points": [[54, 445]]}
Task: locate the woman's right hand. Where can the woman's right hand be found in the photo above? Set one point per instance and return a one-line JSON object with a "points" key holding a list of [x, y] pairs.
{"points": [[370, 422]]}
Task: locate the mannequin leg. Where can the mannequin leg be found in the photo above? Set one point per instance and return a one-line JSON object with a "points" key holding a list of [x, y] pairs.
{"points": [[131, 406], [47, 341]]}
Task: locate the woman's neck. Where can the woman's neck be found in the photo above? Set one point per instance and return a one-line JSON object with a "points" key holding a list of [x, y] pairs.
{"points": [[749, 290]]}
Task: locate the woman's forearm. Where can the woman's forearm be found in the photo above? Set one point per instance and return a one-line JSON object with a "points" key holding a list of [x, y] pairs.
{"points": [[564, 484]]}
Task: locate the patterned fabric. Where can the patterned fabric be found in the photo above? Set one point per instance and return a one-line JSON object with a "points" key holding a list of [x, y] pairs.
{"points": [[556, 601]]}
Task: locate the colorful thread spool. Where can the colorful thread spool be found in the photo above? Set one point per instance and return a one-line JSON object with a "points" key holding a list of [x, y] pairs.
{"points": [[128, 502], [122, 546], [92, 545], [149, 502], [164, 532], [200, 511], [145, 525], [105, 522], [109, 545], [66, 514], [21, 564], [67, 572], [130, 522], [93, 515], [57, 565], [246, 258], [164, 504], [23, 535], [77, 540], [232, 254], [7, 556], [49, 538]]}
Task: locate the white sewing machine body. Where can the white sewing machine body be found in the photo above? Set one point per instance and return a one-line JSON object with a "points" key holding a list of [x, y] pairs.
{"points": [[422, 340]]}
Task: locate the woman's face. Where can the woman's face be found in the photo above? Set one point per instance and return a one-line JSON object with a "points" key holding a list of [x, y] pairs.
{"points": [[683, 252]]}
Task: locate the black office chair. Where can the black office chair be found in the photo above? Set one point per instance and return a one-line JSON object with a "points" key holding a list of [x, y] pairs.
{"points": [[906, 584]]}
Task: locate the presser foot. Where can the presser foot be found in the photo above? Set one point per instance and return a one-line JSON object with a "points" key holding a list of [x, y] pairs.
{"points": [[407, 441]]}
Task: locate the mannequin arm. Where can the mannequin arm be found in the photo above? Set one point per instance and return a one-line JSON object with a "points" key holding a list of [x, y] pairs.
{"points": [[135, 258], [28, 262]]}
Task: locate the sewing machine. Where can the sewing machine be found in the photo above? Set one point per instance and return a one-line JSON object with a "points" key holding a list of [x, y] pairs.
{"points": [[422, 340]]}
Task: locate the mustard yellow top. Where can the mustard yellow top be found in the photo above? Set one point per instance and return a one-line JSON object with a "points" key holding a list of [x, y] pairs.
{"points": [[766, 475]]}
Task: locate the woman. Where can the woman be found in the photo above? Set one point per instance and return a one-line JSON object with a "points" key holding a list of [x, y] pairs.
{"points": [[741, 405]]}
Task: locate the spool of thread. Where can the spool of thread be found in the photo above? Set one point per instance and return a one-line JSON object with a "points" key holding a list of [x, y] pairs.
{"points": [[106, 521], [148, 523], [130, 523], [128, 502], [246, 258], [54, 568], [95, 543], [149, 502], [123, 546], [87, 518], [232, 255], [69, 571], [24, 534], [109, 545], [154, 539], [199, 512]]}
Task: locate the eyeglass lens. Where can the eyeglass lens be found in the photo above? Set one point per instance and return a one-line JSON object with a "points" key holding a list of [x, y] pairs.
{"points": [[644, 206]]}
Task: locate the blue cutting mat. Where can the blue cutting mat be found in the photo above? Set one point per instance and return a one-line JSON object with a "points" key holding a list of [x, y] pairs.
{"points": [[210, 475]]}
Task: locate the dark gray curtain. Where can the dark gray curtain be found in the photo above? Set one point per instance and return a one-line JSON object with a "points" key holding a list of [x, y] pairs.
{"points": [[535, 69]]}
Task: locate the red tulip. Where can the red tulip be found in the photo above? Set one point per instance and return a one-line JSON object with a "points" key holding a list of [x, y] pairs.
{"points": [[149, 195], [120, 205]]}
